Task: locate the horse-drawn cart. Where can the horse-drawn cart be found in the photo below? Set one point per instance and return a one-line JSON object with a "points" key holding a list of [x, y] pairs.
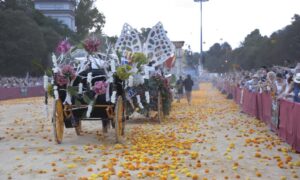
{"points": [[86, 90]]}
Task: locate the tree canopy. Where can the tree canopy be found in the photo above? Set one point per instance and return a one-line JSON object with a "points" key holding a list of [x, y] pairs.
{"points": [[281, 48], [87, 17], [27, 37]]}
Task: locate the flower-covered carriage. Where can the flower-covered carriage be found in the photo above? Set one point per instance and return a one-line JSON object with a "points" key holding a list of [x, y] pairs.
{"points": [[147, 88], [85, 88]]}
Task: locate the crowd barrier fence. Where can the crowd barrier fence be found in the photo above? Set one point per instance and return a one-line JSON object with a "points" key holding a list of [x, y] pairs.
{"points": [[259, 105], [18, 92]]}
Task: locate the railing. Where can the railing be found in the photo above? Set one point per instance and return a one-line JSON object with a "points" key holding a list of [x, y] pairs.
{"points": [[259, 105], [17, 92]]}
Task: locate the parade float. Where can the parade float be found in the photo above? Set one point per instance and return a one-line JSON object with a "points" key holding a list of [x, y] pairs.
{"points": [[147, 90], [112, 85]]}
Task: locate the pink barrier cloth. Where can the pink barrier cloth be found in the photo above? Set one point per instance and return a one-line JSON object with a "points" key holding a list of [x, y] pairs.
{"points": [[289, 126], [14, 93], [259, 105], [249, 105], [266, 108], [238, 94]]}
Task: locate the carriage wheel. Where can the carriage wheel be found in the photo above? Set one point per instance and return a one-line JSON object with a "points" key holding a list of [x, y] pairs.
{"points": [[78, 128], [58, 121], [118, 119], [160, 113]]}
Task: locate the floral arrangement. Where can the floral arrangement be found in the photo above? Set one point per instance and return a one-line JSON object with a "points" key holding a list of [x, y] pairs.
{"points": [[124, 71], [66, 74], [139, 58], [100, 87], [63, 47], [160, 84], [91, 45]]}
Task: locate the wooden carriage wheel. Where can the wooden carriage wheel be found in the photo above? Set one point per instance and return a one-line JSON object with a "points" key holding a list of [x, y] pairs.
{"points": [[118, 119], [160, 113], [58, 121], [78, 128]]}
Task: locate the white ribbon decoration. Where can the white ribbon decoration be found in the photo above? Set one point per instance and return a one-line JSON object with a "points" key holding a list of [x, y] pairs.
{"points": [[80, 87], [147, 95], [55, 93], [89, 110], [45, 82], [107, 92], [130, 81], [113, 97], [138, 98], [54, 60], [89, 79], [68, 99], [113, 66]]}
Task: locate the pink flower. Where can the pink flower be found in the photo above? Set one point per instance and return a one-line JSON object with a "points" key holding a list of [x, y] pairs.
{"points": [[68, 72], [100, 87], [63, 47], [61, 80], [91, 45]]}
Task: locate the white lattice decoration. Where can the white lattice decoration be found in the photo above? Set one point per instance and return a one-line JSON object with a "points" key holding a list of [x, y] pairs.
{"points": [[129, 40], [158, 46]]}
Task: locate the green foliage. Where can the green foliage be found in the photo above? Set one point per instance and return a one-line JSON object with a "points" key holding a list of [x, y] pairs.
{"points": [[50, 90], [123, 72], [139, 59], [27, 38], [72, 90], [281, 48], [21, 42], [86, 99]]}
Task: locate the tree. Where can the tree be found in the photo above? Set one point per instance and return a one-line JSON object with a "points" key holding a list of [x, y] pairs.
{"points": [[87, 17], [21, 43]]}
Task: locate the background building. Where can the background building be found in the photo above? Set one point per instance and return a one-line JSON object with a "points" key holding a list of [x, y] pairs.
{"points": [[179, 58], [62, 10]]}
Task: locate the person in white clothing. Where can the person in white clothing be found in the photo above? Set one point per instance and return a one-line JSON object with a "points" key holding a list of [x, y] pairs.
{"points": [[281, 85]]}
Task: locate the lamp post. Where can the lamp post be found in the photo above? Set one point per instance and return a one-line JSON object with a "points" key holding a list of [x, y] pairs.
{"points": [[201, 40]]}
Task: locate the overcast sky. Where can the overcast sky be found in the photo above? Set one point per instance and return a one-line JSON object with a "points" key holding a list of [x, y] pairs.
{"points": [[223, 20]]}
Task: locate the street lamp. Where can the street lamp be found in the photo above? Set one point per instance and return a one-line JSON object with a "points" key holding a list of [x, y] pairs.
{"points": [[201, 43]]}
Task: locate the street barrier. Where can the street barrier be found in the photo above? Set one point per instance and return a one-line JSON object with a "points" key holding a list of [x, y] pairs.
{"points": [[17, 92], [259, 105]]}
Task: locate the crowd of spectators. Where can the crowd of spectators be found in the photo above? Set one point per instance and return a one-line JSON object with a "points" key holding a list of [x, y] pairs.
{"points": [[281, 82], [9, 82]]}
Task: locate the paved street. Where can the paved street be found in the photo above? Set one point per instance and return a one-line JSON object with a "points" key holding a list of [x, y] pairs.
{"points": [[210, 139]]}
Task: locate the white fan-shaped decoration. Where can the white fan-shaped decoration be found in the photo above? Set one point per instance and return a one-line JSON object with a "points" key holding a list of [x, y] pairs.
{"points": [[129, 40], [158, 46]]}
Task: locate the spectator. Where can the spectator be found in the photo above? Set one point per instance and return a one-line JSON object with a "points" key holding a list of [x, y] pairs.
{"points": [[296, 88], [281, 85], [188, 85], [271, 85]]}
